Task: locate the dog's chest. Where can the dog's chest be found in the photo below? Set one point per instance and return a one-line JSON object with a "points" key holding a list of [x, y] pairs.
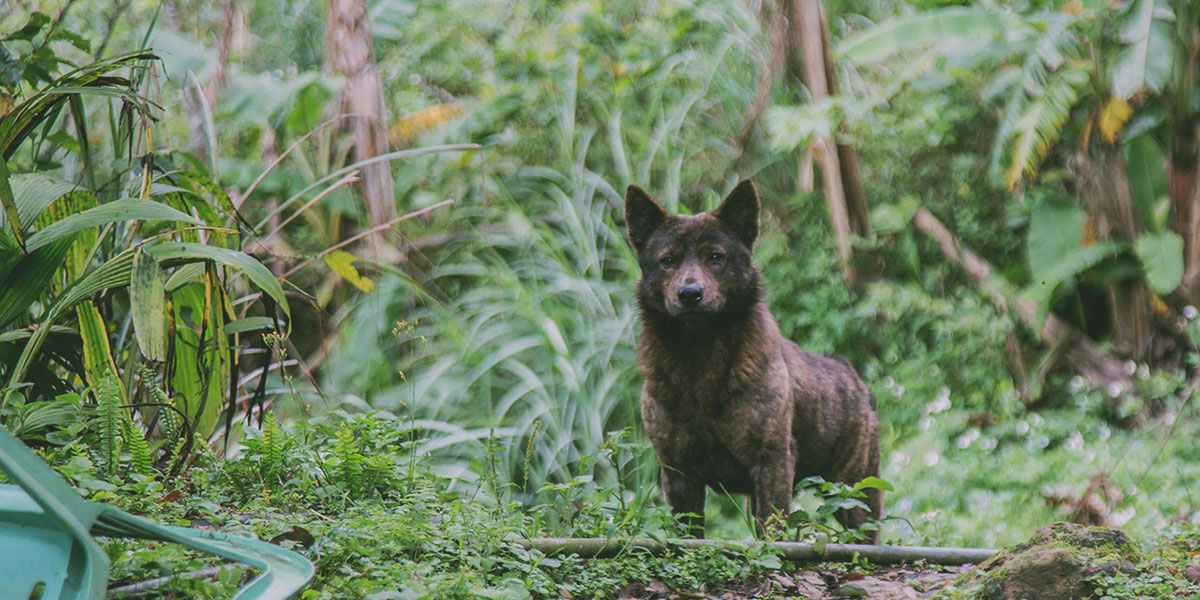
{"points": [[711, 419]]}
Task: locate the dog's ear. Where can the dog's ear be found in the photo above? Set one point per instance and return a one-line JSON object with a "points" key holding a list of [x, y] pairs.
{"points": [[643, 216], [739, 212]]}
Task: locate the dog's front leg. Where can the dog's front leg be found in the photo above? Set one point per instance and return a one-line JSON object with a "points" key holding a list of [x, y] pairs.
{"points": [[686, 497], [771, 496]]}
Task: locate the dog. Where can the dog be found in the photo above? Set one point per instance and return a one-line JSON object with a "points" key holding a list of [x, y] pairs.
{"points": [[727, 401]]}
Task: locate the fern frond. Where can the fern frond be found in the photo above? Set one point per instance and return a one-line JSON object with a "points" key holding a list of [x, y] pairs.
{"points": [[108, 401], [273, 445], [139, 450]]}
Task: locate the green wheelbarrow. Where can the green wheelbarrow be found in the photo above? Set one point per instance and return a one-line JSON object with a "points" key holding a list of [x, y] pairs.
{"points": [[47, 551]]}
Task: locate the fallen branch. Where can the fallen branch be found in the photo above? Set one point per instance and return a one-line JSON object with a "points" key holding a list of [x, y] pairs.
{"points": [[793, 551], [1091, 362], [150, 586]]}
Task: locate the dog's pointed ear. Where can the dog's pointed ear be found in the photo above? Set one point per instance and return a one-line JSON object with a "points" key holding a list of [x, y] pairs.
{"points": [[739, 212], [643, 216]]}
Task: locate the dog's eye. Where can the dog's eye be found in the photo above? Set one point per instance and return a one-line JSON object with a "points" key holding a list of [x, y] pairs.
{"points": [[716, 257], [667, 261]]}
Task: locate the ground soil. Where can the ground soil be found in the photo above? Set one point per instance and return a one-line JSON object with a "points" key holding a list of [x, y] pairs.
{"points": [[893, 583]]}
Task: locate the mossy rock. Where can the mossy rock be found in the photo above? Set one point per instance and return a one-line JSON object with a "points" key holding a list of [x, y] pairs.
{"points": [[1054, 564]]}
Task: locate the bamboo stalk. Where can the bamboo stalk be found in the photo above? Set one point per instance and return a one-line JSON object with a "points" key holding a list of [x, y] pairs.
{"points": [[793, 551]]}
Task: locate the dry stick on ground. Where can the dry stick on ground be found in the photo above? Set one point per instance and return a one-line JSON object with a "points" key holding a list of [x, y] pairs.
{"points": [[1080, 351], [150, 586], [793, 551]]}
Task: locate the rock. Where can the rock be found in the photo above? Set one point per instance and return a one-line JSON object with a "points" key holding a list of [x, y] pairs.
{"points": [[1054, 564], [1192, 573], [1038, 573], [851, 590], [877, 589]]}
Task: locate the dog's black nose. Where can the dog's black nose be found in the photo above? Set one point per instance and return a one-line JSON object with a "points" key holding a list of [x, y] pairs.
{"points": [[691, 294]]}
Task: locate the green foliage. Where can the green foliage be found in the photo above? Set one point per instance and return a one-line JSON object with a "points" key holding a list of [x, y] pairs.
{"points": [[497, 360], [90, 237], [818, 525], [109, 422], [1159, 575], [932, 28], [417, 541], [1162, 257], [1149, 57]]}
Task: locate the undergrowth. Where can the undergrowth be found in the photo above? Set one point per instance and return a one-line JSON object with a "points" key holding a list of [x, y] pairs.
{"points": [[378, 521]]}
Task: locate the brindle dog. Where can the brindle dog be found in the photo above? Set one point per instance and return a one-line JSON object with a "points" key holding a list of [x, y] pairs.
{"points": [[727, 401]]}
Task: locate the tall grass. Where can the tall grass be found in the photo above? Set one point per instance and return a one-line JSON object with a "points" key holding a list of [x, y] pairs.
{"points": [[526, 326]]}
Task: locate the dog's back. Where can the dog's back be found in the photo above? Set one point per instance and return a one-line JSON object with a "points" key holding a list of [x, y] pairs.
{"points": [[835, 424]]}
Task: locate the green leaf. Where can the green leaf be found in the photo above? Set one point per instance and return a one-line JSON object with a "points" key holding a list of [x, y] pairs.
{"points": [[147, 296], [924, 29], [200, 365], [874, 482], [1147, 178], [127, 209], [892, 217], [35, 192], [31, 28], [1039, 124], [1150, 56], [75, 39], [1055, 230], [11, 69], [181, 252], [10, 205], [94, 78], [28, 277], [342, 263], [1162, 258], [1072, 263], [307, 109], [97, 353], [792, 127], [113, 273], [249, 324]]}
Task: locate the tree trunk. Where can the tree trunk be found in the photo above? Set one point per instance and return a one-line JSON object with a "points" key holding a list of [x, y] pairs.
{"points": [[1107, 199], [225, 40], [856, 201], [806, 19], [349, 52], [1182, 170]]}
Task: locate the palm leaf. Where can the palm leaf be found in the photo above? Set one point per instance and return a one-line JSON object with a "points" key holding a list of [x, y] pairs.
{"points": [[928, 28], [10, 205], [146, 298], [174, 253], [126, 209], [1148, 59], [1040, 123], [93, 78], [113, 273]]}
